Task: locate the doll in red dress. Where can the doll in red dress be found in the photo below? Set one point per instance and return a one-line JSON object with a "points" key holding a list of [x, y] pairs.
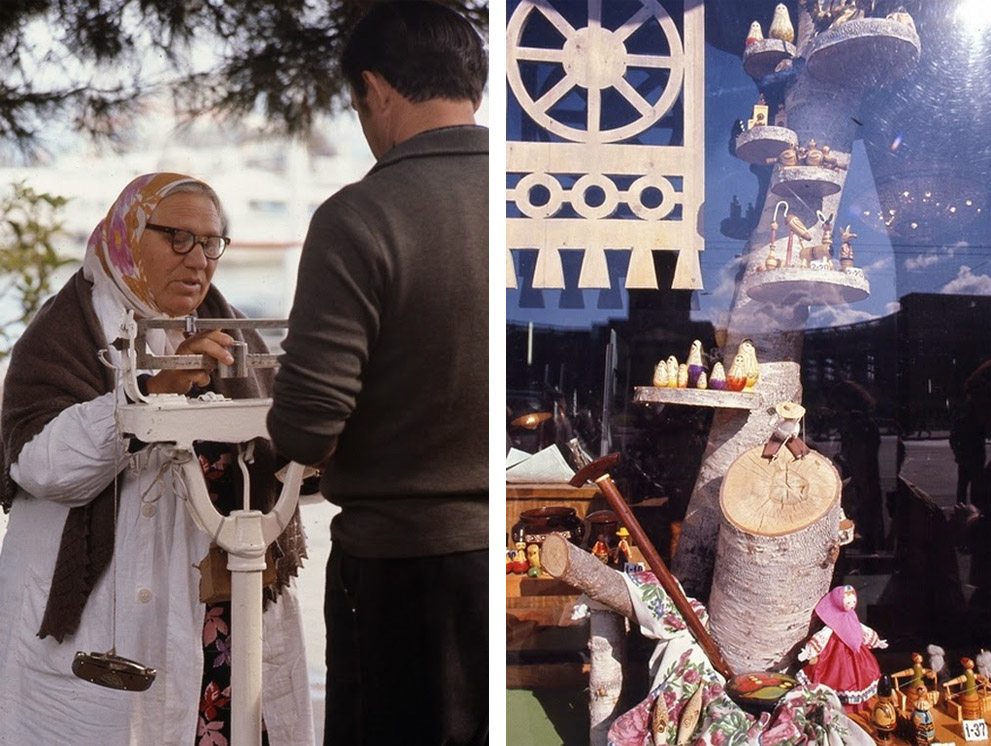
{"points": [[839, 654]]}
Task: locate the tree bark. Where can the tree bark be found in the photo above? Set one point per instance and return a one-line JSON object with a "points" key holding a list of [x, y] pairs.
{"points": [[826, 113]]}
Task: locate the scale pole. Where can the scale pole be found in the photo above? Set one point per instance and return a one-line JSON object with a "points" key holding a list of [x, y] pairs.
{"points": [[246, 569]]}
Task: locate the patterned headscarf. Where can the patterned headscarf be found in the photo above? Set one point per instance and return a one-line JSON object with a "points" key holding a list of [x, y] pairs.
{"points": [[841, 620], [113, 251]]}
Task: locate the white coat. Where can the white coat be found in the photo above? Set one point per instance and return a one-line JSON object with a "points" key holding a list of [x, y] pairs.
{"points": [[159, 618]]}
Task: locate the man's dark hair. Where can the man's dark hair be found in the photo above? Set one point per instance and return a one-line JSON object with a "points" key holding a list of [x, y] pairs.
{"points": [[422, 49]]}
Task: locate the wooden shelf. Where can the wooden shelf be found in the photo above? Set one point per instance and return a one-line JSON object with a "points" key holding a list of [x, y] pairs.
{"points": [[696, 397], [762, 57], [805, 183], [758, 144], [795, 286], [869, 52]]}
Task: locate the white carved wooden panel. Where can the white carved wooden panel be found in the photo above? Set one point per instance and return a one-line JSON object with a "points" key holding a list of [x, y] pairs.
{"points": [[595, 190]]}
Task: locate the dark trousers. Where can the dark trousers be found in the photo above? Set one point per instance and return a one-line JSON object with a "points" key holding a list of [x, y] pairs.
{"points": [[407, 650]]}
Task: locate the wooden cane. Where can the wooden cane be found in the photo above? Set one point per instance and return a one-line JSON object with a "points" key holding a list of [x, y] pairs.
{"points": [[598, 472]]}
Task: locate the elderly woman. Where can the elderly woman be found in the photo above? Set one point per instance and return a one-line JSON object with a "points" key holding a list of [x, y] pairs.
{"points": [[76, 575]]}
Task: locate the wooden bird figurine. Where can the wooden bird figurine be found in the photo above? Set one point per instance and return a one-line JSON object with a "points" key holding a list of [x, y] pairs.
{"points": [[736, 378], [813, 156], [717, 381], [829, 159], [752, 368], [661, 375], [695, 366], [781, 27]]}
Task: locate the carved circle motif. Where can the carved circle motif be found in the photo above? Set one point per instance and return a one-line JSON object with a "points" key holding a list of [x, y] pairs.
{"points": [[579, 196], [595, 59], [524, 195], [635, 197]]}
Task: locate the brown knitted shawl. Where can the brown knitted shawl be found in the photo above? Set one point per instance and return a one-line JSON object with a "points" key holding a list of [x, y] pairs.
{"points": [[53, 366]]}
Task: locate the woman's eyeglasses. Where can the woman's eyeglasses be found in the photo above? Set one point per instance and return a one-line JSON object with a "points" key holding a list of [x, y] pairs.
{"points": [[183, 241]]}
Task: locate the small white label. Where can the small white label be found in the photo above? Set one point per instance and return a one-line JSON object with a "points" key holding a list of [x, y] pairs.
{"points": [[975, 730]]}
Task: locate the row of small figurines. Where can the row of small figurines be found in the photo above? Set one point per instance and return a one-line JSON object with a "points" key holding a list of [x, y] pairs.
{"points": [[911, 718], [525, 558], [819, 256], [692, 374], [827, 14], [809, 154]]}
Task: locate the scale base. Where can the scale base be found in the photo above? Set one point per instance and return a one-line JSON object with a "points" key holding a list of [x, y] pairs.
{"points": [[113, 671]]}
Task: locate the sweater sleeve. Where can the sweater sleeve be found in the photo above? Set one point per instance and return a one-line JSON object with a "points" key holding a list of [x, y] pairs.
{"points": [[332, 327], [74, 457]]}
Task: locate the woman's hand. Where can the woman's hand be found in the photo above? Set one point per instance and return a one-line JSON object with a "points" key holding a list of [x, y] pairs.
{"points": [[213, 343]]}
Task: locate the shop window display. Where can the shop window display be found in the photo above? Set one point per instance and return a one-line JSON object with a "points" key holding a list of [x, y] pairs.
{"points": [[796, 378]]}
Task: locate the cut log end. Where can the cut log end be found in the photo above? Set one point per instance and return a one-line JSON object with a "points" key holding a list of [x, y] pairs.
{"points": [[563, 560]]}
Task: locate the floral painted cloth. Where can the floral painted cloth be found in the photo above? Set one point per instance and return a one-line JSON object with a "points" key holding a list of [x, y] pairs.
{"points": [[678, 667], [214, 725]]}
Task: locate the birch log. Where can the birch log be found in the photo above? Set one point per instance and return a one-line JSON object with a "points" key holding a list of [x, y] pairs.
{"points": [[827, 113], [777, 545], [607, 633]]}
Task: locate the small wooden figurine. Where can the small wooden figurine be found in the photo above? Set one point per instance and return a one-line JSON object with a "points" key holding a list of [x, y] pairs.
{"points": [[787, 157], [672, 364], [520, 562], [533, 557], [661, 375], [781, 116], [736, 377], [781, 26], [846, 248], [884, 715], [600, 549], [787, 431], [839, 654], [759, 116], [922, 720], [754, 35], [772, 261], [695, 366], [717, 381], [683, 376], [795, 228], [702, 382], [752, 367], [916, 675], [813, 156], [973, 688], [623, 553], [822, 255]]}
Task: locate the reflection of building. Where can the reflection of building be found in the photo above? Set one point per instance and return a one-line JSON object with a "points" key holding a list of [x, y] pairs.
{"points": [[913, 362]]}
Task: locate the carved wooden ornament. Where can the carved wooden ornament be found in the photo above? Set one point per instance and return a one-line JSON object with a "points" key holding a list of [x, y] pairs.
{"points": [[589, 188]]}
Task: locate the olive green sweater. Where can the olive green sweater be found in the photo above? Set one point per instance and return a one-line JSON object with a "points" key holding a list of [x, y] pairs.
{"points": [[387, 353]]}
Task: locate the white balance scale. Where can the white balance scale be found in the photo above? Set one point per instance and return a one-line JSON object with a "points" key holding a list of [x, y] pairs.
{"points": [[171, 422]]}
